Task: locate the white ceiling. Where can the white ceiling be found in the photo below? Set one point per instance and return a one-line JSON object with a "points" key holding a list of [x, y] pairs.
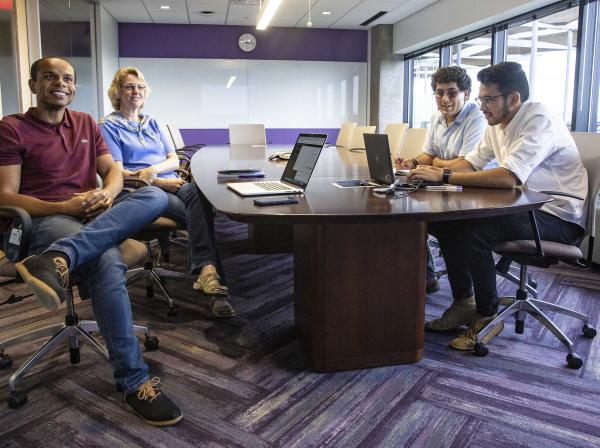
{"points": [[345, 14]]}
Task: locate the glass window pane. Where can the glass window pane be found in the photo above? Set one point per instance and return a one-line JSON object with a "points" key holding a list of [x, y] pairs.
{"points": [[472, 55], [423, 100], [8, 63], [65, 32], [547, 49]]}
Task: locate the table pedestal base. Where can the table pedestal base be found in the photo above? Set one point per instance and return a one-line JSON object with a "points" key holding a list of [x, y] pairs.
{"points": [[353, 307]]}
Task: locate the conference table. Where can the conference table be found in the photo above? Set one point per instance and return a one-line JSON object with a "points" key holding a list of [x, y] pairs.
{"points": [[359, 256]]}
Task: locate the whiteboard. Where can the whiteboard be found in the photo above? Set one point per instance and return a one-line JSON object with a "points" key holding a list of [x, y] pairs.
{"points": [[194, 93]]}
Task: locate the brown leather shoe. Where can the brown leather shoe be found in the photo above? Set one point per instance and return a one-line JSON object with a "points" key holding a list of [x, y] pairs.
{"points": [[461, 312], [210, 283]]}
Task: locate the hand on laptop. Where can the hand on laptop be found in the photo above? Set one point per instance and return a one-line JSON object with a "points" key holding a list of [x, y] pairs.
{"points": [[403, 164], [426, 173]]}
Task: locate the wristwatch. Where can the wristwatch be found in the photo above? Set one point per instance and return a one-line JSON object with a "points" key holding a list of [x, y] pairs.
{"points": [[415, 163], [446, 173]]}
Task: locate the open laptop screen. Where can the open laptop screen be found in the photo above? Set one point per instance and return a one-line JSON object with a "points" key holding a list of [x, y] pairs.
{"points": [[303, 159]]}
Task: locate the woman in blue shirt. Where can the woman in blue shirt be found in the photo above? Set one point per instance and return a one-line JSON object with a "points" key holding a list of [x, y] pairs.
{"points": [[141, 149]]}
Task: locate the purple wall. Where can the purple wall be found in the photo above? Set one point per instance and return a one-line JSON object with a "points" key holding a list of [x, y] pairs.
{"points": [[141, 40], [278, 136]]}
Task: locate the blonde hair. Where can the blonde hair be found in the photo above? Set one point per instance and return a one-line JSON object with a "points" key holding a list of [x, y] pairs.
{"points": [[114, 93]]}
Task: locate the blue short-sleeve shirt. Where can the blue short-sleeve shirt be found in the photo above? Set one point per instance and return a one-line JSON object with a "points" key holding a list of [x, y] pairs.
{"points": [[126, 146]]}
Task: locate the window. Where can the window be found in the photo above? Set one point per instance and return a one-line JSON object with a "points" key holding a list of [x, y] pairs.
{"points": [[9, 101], [472, 55], [423, 103], [65, 31], [547, 49]]}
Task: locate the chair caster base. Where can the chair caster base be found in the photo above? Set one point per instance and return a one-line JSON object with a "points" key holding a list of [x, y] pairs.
{"points": [[5, 361], [574, 361], [16, 399], [172, 311], [151, 343], [588, 331], [480, 350]]}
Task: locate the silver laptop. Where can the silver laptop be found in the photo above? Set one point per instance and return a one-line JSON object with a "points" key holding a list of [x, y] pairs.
{"points": [[297, 172]]}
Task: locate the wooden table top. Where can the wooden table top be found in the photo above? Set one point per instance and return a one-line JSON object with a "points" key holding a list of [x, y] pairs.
{"points": [[325, 202]]}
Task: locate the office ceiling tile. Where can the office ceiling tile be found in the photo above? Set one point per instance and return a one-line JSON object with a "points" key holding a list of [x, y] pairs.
{"points": [[345, 14]]}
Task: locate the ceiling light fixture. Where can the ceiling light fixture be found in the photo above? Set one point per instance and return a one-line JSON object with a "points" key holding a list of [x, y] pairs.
{"points": [[266, 13], [165, 7], [309, 23], [230, 82], [326, 13]]}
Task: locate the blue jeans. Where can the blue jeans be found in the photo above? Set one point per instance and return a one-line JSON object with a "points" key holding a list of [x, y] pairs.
{"points": [[191, 210], [93, 253], [467, 248], [431, 275]]}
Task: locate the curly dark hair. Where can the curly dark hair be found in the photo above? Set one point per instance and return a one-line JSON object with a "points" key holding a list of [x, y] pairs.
{"points": [[452, 74], [509, 76]]}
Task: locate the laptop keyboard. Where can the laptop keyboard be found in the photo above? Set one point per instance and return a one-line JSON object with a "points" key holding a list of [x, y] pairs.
{"points": [[270, 186]]}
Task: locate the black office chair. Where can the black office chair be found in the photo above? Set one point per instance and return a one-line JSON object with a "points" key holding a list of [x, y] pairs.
{"points": [[547, 253], [73, 330]]}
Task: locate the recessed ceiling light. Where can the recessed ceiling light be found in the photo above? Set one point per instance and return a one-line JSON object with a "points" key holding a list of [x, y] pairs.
{"points": [[165, 7], [326, 13]]}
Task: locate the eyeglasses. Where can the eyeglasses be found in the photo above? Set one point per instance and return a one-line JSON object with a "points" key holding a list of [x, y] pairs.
{"points": [[452, 93], [489, 99], [132, 87]]}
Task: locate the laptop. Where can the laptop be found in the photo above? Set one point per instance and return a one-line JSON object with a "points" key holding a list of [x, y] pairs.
{"points": [[379, 161], [297, 172]]}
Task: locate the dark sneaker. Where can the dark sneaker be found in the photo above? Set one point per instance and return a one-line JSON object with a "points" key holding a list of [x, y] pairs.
{"points": [[432, 286], [48, 276], [152, 405]]}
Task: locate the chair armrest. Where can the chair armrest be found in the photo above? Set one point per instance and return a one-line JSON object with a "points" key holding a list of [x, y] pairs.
{"points": [[24, 218], [561, 193]]}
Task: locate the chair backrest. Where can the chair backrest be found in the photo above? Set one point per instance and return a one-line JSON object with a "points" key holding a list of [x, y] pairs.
{"points": [[247, 134], [396, 133], [343, 138], [175, 136], [413, 142], [357, 140], [588, 144]]}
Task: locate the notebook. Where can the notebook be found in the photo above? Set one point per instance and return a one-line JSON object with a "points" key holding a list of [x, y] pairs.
{"points": [[297, 172]]}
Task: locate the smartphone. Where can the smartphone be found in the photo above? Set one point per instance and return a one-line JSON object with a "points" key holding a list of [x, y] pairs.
{"points": [[275, 201]]}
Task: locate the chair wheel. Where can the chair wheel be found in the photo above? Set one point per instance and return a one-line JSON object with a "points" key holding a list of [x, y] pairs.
{"points": [[480, 350], [151, 343], [16, 399], [172, 311], [519, 326], [574, 361], [588, 332], [5, 361]]}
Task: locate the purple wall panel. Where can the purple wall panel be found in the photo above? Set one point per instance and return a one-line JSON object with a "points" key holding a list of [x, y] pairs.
{"points": [[141, 40], [276, 136]]}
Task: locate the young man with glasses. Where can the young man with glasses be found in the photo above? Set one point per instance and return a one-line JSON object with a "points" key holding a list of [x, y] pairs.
{"points": [[456, 127], [534, 150], [49, 158]]}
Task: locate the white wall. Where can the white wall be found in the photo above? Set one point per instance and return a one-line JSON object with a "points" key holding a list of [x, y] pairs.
{"points": [[108, 63], [446, 19], [193, 93]]}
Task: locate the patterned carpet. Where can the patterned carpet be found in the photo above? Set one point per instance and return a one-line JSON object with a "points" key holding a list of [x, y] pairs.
{"points": [[246, 382]]}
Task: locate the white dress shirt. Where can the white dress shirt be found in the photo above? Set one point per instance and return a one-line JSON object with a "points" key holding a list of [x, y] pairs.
{"points": [[537, 147], [457, 139]]}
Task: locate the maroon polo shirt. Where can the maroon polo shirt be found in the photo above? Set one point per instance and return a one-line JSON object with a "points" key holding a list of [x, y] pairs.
{"points": [[56, 160]]}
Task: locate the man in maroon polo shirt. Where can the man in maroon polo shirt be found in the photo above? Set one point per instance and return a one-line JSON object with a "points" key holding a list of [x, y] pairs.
{"points": [[49, 158]]}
